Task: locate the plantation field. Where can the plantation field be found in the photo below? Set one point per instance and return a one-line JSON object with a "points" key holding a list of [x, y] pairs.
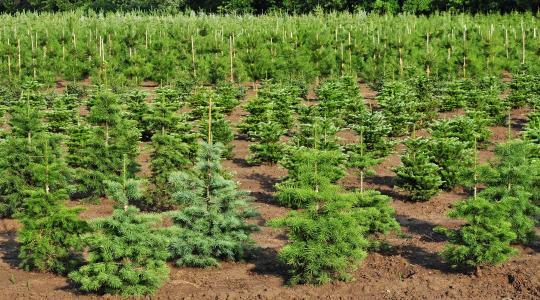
{"points": [[276, 156], [411, 269]]}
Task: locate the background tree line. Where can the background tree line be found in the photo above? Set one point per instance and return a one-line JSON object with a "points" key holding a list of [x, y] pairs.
{"points": [[262, 6]]}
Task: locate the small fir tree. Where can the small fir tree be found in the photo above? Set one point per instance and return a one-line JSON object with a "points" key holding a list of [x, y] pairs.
{"points": [[126, 252], [50, 236], [373, 212], [484, 240], [221, 131], [532, 129], [311, 172], [375, 130], [20, 153], [268, 147], [316, 132], [361, 159], [418, 175], [211, 223], [513, 179], [104, 145], [452, 156], [326, 242], [63, 113], [469, 129], [137, 109]]}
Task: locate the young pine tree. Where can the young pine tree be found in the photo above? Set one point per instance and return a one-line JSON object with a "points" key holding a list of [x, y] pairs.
{"points": [[50, 236], [484, 240], [326, 242], [312, 173], [267, 146], [19, 154], [126, 252], [103, 145], [417, 174], [212, 221], [361, 159], [316, 132], [513, 180]]}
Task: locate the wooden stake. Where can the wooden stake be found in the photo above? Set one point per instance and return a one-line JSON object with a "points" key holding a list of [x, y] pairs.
{"points": [[19, 50], [210, 135], [401, 62], [231, 55], [9, 66], [509, 125], [506, 43], [464, 53], [193, 56], [428, 70], [475, 177], [522, 43]]}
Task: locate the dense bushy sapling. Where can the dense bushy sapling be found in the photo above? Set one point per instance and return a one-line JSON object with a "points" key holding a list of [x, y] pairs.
{"points": [[485, 238], [50, 236], [311, 172], [126, 252], [212, 220], [418, 175]]}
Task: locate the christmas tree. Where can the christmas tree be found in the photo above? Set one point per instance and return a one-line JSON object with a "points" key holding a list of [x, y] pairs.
{"points": [[418, 175], [361, 159], [316, 132], [325, 242], [22, 153], [311, 172], [50, 236], [267, 148], [104, 143], [211, 223], [126, 252], [513, 179], [375, 132], [484, 240]]}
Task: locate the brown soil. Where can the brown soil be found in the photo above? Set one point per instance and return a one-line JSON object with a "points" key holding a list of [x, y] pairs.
{"points": [[411, 269]]}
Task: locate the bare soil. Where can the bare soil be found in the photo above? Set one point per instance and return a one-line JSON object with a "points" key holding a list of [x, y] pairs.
{"points": [[409, 269]]}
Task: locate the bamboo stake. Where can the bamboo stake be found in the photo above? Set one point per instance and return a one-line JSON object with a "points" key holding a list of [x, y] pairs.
{"points": [[401, 62], [428, 70], [210, 135], [231, 50], [464, 52], [9, 66], [522, 43], [509, 125], [350, 53], [34, 45], [193, 56], [475, 176], [506, 43], [19, 50]]}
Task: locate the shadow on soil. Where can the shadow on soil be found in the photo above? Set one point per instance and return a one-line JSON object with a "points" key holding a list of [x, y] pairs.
{"points": [[267, 182], [241, 162], [387, 181], [422, 228], [267, 263], [9, 249]]}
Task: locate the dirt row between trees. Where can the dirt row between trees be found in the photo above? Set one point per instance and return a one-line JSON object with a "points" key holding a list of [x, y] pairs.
{"points": [[410, 269]]}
